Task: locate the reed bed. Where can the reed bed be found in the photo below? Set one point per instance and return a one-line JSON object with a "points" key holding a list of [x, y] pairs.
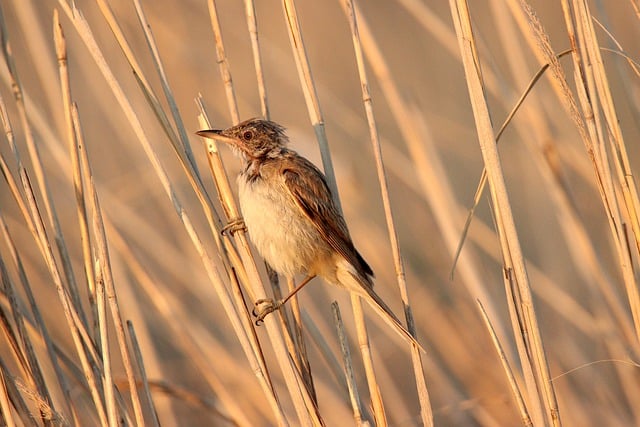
{"points": [[481, 153]]}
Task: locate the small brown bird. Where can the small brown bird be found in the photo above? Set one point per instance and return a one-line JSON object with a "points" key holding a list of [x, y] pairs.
{"points": [[291, 217]]}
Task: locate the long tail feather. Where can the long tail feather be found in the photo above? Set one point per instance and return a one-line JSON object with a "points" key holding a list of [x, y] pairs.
{"points": [[352, 282], [387, 315]]}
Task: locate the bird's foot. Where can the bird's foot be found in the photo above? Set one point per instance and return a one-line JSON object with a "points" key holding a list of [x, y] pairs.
{"points": [[233, 226], [263, 307]]}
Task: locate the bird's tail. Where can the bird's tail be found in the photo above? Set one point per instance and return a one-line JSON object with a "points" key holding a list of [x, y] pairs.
{"points": [[351, 280]]}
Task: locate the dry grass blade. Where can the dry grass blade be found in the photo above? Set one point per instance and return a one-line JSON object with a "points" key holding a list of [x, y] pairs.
{"points": [[27, 355], [41, 325], [391, 227], [45, 190], [143, 374], [367, 359], [354, 396], [310, 94], [31, 214], [252, 26], [173, 107], [483, 177], [222, 62], [511, 250], [5, 403], [517, 395], [630, 202], [105, 290], [180, 327]]}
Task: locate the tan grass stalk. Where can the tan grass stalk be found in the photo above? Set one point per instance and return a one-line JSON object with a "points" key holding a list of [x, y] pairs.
{"points": [[173, 107], [423, 394], [5, 404], [252, 26], [585, 255], [181, 327], [517, 395], [367, 359], [512, 253], [27, 355], [296, 345], [310, 94], [483, 177], [41, 181], [39, 321], [223, 64], [330, 358], [601, 103], [354, 396], [313, 107], [295, 328], [177, 144], [143, 374], [105, 290], [424, 156], [35, 224]]}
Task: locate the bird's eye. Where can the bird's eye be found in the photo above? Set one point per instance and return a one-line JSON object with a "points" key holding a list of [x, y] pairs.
{"points": [[247, 135]]}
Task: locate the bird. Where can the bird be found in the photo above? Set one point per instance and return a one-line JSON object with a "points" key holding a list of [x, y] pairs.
{"points": [[292, 219]]}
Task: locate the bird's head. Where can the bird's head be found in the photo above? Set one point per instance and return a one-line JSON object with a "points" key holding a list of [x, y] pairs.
{"points": [[254, 138]]}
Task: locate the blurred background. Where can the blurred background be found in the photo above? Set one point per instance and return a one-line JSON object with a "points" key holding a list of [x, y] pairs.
{"points": [[193, 360]]}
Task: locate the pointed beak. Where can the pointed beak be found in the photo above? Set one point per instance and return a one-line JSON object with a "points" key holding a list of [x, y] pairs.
{"points": [[218, 135]]}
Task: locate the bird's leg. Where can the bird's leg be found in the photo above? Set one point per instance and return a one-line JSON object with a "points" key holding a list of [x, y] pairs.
{"points": [[233, 226], [268, 305]]}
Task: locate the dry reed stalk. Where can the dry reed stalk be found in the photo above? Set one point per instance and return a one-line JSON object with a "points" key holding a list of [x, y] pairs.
{"points": [[310, 94], [223, 63], [180, 146], [181, 328], [25, 353], [423, 395], [583, 251], [39, 172], [590, 136], [430, 170], [596, 98], [143, 374], [105, 289], [354, 396], [433, 180], [512, 254], [31, 215], [173, 107], [517, 395], [39, 321], [88, 39], [313, 107], [5, 404], [252, 27]]}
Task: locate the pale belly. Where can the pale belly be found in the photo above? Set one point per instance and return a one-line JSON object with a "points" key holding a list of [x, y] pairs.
{"points": [[284, 237]]}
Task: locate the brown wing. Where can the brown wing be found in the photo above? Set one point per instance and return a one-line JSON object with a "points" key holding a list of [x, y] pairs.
{"points": [[313, 196]]}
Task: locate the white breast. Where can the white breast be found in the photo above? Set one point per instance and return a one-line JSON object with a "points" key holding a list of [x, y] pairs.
{"points": [[285, 238]]}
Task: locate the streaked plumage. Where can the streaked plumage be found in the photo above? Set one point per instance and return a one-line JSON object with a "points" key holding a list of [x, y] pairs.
{"points": [[291, 217]]}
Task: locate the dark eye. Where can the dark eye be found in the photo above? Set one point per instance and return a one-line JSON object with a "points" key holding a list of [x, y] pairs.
{"points": [[247, 135]]}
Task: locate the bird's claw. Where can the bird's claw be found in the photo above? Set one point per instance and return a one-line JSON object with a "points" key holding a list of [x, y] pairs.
{"points": [[263, 307], [233, 226]]}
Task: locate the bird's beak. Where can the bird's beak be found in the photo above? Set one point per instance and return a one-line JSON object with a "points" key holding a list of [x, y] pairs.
{"points": [[217, 135]]}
